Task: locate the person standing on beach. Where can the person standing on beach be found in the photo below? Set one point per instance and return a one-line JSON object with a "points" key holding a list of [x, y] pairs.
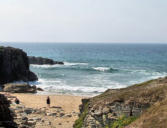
{"points": [[48, 101], [17, 101]]}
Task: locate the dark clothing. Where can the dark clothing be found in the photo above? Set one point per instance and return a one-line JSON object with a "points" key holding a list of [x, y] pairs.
{"points": [[17, 101], [48, 100]]}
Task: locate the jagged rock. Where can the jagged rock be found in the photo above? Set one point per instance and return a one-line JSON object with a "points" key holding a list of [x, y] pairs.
{"points": [[14, 66], [105, 110], [62, 114], [19, 88], [33, 122], [101, 111], [40, 111], [51, 114], [40, 89], [6, 118], [41, 61], [68, 115], [28, 110], [35, 118]]}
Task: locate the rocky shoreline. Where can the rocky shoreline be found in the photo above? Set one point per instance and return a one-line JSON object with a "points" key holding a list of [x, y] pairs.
{"points": [[23, 116], [117, 108], [41, 61], [137, 106], [36, 114], [14, 66]]}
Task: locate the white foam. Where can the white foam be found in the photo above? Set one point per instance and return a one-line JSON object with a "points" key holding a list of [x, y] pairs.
{"points": [[45, 66], [58, 86], [57, 65], [73, 64], [101, 68]]}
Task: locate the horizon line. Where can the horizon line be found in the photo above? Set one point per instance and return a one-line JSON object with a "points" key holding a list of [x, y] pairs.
{"points": [[84, 42]]}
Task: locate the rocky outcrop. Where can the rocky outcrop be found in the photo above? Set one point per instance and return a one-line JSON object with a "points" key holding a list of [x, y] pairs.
{"points": [[107, 109], [41, 61], [14, 66], [28, 117], [19, 88], [6, 115]]}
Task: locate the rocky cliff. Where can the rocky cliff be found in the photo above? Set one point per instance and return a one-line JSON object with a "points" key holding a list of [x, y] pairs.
{"points": [[14, 66], [120, 107], [6, 115], [41, 61]]}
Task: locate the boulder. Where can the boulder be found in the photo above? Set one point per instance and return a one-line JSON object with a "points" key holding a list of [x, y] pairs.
{"points": [[14, 66], [28, 110], [40, 89], [41, 61], [19, 88]]}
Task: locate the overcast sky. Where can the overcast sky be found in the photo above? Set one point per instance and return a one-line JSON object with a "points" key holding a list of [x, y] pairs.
{"points": [[83, 20]]}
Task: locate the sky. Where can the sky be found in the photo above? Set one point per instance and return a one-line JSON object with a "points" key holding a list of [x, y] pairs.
{"points": [[129, 21]]}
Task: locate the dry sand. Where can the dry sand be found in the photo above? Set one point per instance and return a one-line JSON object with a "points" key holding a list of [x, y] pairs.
{"points": [[70, 104]]}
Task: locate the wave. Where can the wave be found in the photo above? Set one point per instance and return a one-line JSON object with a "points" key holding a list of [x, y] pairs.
{"points": [[45, 66], [73, 64], [103, 69], [60, 87], [57, 65]]}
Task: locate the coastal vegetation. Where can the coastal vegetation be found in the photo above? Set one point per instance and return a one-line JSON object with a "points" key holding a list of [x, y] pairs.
{"points": [[80, 121], [121, 122], [135, 103]]}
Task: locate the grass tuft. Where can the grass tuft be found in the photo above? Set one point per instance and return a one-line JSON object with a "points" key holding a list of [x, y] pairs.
{"points": [[122, 122], [79, 122]]}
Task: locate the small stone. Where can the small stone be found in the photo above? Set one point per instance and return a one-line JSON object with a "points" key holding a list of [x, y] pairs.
{"points": [[51, 114], [48, 122], [28, 110], [62, 114], [35, 119], [31, 122], [24, 118], [106, 110], [68, 115]]}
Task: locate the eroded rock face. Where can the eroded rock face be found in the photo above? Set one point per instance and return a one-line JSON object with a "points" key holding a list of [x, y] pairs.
{"points": [[103, 110], [101, 116], [19, 88], [6, 118], [14, 66], [41, 61]]}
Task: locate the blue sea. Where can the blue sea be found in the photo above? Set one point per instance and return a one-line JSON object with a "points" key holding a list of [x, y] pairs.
{"points": [[92, 68]]}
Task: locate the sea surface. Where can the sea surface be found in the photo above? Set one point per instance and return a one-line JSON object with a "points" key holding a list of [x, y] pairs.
{"points": [[92, 68]]}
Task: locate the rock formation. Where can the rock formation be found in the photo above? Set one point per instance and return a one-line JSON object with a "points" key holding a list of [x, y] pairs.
{"points": [[41, 61], [14, 66], [19, 88], [6, 115], [117, 108]]}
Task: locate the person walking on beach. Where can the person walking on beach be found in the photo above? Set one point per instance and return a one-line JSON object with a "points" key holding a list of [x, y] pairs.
{"points": [[48, 101]]}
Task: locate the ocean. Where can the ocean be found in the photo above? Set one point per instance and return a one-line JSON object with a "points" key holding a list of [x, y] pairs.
{"points": [[91, 68]]}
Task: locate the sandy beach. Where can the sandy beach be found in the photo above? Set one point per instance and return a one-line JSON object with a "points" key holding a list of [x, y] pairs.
{"points": [[66, 104]]}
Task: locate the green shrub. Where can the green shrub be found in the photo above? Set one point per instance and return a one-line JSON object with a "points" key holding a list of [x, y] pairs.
{"points": [[79, 122], [123, 121]]}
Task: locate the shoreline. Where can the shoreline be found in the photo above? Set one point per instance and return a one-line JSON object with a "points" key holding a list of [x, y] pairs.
{"points": [[38, 100], [63, 111]]}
